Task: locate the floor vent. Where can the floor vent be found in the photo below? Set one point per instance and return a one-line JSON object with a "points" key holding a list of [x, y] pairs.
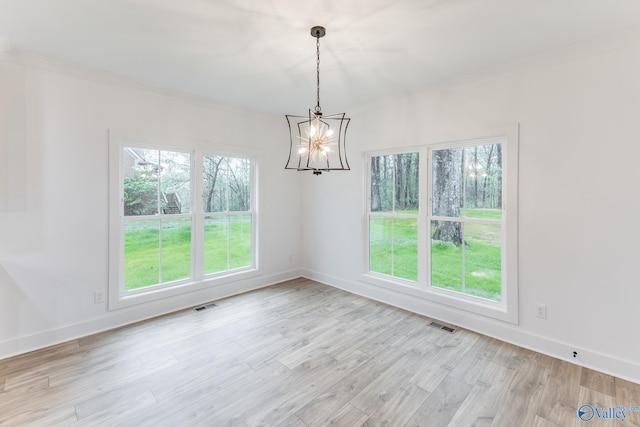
{"points": [[443, 327], [204, 307]]}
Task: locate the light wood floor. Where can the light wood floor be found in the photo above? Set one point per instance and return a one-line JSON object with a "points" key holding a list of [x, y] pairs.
{"points": [[299, 354]]}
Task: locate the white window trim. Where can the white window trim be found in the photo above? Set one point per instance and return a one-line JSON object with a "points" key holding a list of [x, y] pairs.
{"points": [[505, 310], [118, 298]]}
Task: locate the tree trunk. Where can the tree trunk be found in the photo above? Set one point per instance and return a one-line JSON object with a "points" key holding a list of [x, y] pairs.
{"points": [[477, 178], [485, 187], [213, 177], [499, 161], [375, 184], [447, 180]]}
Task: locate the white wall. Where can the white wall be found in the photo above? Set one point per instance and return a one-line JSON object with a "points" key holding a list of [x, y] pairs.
{"points": [[579, 211], [54, 193]]}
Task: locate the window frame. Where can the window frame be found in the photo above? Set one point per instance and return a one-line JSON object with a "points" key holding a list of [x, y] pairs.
{"points": [[118, 296], [504, 310], [391, 215], [201, 215]]}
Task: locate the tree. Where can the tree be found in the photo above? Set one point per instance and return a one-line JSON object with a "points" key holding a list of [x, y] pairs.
{"points": [[394, 182], [140, 195], [382, 185], [238, 185], [211, 169], [499, 161], [175, 177], [446, 201], [406, 181]]}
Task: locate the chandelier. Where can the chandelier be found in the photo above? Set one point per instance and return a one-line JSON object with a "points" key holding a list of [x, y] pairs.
{"points": [[317, 140]]}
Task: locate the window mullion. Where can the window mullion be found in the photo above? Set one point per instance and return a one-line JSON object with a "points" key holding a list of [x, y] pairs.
{"points": [[160, 230], [197, 216]]}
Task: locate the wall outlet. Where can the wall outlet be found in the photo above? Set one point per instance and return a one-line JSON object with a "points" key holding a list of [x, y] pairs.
{"points": [[541, 311], [98, 297]]}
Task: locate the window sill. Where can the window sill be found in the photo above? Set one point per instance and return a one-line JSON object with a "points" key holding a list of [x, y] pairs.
{"points": [[458, 301], [118, 300]]}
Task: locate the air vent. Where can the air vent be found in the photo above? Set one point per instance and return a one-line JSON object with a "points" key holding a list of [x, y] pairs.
{"points": [[443, 327], [204, 307]]}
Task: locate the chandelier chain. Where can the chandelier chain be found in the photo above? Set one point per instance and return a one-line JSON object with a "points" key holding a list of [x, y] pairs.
{"points": [[318, 109]]}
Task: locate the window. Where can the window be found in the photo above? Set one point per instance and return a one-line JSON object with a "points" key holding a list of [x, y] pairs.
{"points": [[164, 241], [156, 217], [393, 215], [466, 220], [227, 213], [442, 223]]}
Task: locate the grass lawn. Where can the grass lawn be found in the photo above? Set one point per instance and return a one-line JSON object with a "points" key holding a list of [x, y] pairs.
{"points": [[482, 213], [393, 251], [479, 276], [227, 246]]}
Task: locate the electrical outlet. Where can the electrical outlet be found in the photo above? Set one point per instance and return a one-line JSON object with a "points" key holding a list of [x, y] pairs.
{"points": [[98, 297], [541, 311]]}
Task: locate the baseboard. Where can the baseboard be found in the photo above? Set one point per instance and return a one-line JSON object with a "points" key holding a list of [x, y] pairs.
{"points": [[119, 318], [503, 331]]}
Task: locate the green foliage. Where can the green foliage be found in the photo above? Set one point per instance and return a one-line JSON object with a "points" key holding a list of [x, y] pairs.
{"points": [[140, 195]]}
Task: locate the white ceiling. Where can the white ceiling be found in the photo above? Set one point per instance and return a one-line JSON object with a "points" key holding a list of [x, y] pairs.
{"points": [[259, 53]]}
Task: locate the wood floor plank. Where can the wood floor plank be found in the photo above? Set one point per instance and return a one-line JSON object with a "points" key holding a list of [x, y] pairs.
{"points": [[441, 405], [619, 382], [298, 354], [282, 402], [596, 399], [520, 405], [542, 422], [628, 395], [40, 416], [471, 366], [292, 421], [348, 415], [17, 365], [399, 409], [321, 409], [27, 385], [430, 373], [388, 383], [559, 400], [598, 381], [104, 408], [509, 356], [485, 398]]}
